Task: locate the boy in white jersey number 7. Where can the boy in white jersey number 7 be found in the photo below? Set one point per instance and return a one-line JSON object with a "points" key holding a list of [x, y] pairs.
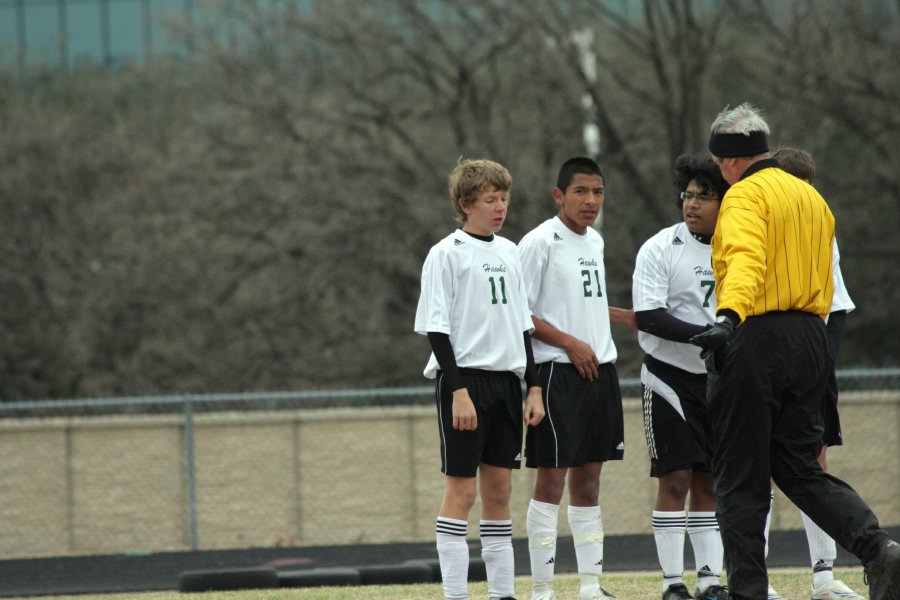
{"points": [[673, 290], [475, 313]]}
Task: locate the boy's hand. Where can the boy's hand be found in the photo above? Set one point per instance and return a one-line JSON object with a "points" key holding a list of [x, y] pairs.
{"points": [[534, 406], [583, 359], [464, 416]]}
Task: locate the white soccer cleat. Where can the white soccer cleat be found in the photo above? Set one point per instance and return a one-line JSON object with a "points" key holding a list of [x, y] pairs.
{"points": [[600, 595], [548, 595], [773, 595], [834, 590]]}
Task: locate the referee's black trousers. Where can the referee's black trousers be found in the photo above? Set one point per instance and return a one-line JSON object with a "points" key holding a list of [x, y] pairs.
{"points": [[765, 407]]}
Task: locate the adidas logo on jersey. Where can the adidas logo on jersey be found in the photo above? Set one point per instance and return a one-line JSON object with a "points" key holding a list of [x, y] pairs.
{"points": [[557, 237], [677, 241], [458, 243]]}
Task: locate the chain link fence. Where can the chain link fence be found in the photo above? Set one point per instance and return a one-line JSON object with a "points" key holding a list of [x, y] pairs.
{"points": [[200, 472]]}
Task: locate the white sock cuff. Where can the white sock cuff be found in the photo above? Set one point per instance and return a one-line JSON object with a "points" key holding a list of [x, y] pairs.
{"points": [[669, 520], [544, 508], [496, 529], [701, 521], [448, 526], [583, 514], [541, 516]]}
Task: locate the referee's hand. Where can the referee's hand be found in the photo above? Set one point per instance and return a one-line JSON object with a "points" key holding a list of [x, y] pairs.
{"points": [[464, 416], [715, 337]]}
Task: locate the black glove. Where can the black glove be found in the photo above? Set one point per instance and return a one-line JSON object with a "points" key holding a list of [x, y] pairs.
{"points": [[715, 337]]}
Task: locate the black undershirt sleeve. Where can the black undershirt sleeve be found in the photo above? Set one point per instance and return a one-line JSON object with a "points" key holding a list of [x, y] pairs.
{"points": [[835, 329], [531, 375], [443, 352], [660, 323]]}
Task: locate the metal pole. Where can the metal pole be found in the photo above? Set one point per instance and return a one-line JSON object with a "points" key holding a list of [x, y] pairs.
{"points": [[413, 484], [104, 32], [189, 16], [21, 42], [191, 473], [147, 29], [63, 26]]}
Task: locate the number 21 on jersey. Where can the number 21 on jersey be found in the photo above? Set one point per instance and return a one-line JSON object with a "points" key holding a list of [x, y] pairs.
{"points": [[589, 287]]}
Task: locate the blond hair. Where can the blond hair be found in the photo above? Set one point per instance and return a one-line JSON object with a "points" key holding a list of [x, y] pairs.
{"points": [[471, 177]]}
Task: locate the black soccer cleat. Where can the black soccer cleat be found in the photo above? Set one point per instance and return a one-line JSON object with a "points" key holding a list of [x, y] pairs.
{"points": [[883, 573], [713, 592], [677, 591]]}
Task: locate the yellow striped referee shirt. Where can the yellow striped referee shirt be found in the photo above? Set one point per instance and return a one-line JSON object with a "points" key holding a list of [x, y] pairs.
{"points": [[771, 250]]}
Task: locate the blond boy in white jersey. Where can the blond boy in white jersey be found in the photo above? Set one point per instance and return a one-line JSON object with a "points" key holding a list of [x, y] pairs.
{"points": [[474, 311]]}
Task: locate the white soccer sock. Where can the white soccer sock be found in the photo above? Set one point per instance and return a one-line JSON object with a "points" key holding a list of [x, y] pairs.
{"points": [[769, 521], [541, 525], [453, 553], [703, 530], [497, 552], [587, 533], [822, 552], [668, 532]]}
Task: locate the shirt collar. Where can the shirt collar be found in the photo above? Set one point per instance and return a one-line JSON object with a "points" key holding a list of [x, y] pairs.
{"points": [[766, 163]]}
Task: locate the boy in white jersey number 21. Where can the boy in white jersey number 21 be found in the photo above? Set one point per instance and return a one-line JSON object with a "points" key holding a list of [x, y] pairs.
{"points": [[566, 285], [474, 310]]}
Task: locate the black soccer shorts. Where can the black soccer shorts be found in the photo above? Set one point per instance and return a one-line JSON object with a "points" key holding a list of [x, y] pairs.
{"points": [[583, 421], [497, 440], [676, 425]]}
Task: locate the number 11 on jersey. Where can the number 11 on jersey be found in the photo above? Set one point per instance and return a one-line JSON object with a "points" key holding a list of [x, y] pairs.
{"points": [[494, 290]]}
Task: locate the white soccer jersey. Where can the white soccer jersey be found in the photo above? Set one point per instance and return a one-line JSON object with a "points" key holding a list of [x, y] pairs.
{"points": [[841, 299], [472, 290], [566, 285], [673, 271]]}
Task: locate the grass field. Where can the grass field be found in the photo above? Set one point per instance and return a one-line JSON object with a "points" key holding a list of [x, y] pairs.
{"points": [[794, 584]]}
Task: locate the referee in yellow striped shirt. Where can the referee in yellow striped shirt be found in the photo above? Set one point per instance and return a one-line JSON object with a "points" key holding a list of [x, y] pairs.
{"points": [[767, 362]]}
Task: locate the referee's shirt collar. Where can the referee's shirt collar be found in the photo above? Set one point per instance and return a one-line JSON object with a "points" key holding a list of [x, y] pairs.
{"points": [[766, 163]]}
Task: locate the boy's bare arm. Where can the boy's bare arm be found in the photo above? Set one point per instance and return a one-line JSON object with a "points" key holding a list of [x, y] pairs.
{"points": [[622, 316], [579, 352]]}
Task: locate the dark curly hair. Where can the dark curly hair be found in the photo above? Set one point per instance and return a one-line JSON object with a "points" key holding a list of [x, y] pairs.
{"points": [[699, 167]]}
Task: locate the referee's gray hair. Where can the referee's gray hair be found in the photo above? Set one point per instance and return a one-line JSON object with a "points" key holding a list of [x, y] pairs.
{"points": [[743, 119]]}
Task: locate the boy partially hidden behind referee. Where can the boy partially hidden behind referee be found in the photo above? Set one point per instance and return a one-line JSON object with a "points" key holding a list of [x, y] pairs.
{"points": [[474, 310]]}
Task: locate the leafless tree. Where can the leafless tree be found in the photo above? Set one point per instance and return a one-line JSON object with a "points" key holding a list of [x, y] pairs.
{"points": [[255, 214]]}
